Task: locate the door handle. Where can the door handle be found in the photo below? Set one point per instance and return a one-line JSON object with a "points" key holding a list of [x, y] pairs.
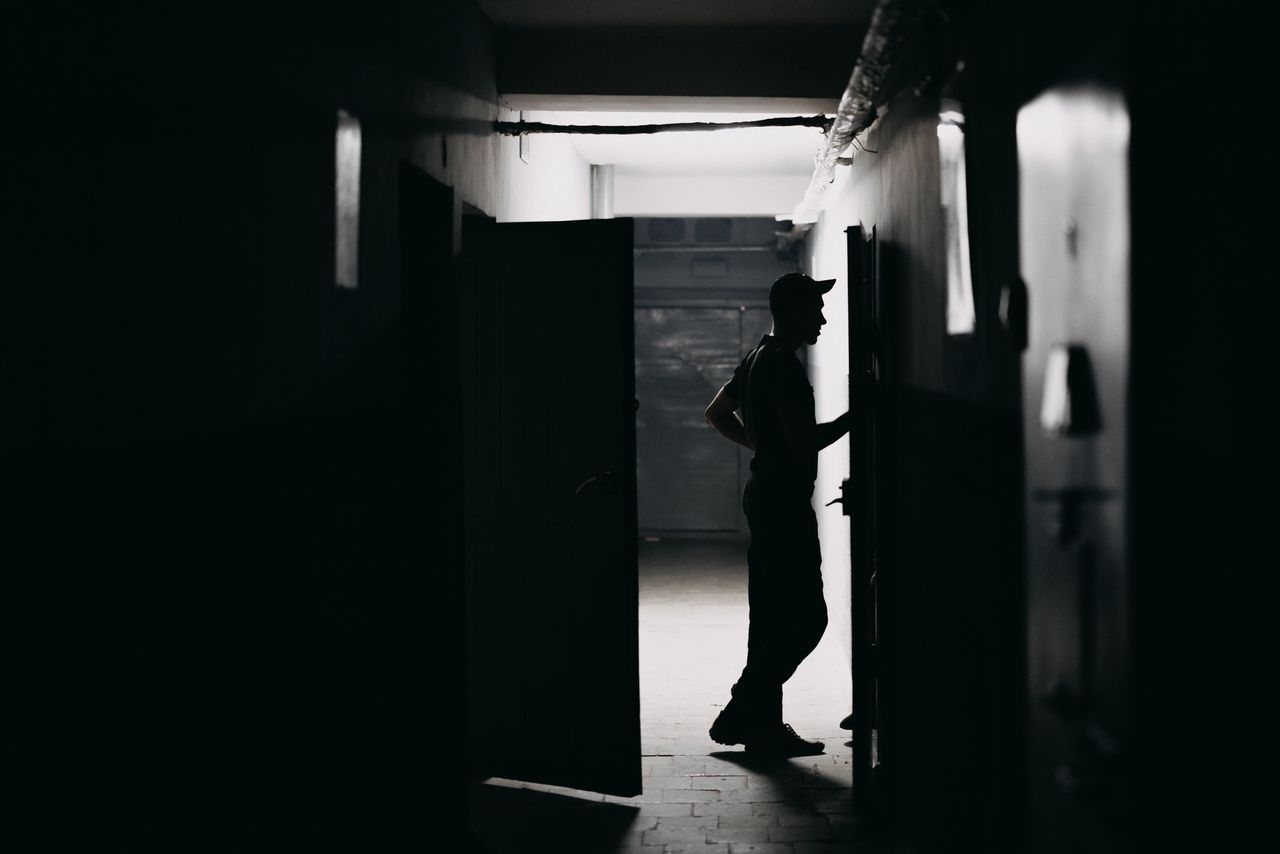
{"points": [[842, 500], [604, 477]]}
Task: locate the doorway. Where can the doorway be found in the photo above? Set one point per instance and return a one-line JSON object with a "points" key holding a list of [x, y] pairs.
{"points": [[701, 302]]}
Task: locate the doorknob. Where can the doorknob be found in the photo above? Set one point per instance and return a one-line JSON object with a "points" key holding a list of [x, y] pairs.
{"points": [[605, 477]]}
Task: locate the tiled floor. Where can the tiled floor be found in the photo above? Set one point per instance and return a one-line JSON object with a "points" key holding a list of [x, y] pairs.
{"points": [[700, 796]]}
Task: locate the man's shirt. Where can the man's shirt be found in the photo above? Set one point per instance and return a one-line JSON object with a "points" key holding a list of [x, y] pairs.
{"points": [[771, 377]]}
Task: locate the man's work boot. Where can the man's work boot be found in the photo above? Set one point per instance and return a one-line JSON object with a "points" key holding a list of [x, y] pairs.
{"points": [[731, 726], [782, 741]]}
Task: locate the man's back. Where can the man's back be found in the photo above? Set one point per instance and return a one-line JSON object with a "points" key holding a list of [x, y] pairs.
{"points": [[771, 379]]}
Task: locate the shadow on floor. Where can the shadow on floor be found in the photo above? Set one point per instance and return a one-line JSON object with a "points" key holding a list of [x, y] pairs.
{"points": [[803, 786], [799, 784], [507, 820], [805, 789], [767, 766]]}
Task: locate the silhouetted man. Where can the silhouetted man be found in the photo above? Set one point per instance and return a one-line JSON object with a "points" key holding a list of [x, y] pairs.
{"points": [[787, 611]]}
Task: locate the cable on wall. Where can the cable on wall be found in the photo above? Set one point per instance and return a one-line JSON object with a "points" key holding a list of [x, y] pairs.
{"points": [[522, 127], [891, 24]]}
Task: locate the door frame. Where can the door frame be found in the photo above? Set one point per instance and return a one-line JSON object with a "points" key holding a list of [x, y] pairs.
{"points": [[867, 503]]}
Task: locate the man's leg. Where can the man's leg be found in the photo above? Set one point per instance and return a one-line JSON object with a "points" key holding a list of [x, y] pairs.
{"points": [[799, 616], [756, 698], [787, 615], [801, 593], [759, 688]]}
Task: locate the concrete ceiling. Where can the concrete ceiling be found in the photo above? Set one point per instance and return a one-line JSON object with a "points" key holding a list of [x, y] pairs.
{"points": [[656, 52], [535, 14]]}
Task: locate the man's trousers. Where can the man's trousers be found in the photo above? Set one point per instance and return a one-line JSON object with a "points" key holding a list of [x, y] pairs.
{"points": [[787, 611]]}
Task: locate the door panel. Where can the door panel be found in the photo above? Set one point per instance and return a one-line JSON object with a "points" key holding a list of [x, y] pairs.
{"points": [[552, 610], [1074, 245], [865, 503]]}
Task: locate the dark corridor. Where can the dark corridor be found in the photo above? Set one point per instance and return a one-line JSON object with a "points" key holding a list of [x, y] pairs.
{"points": [[236, 487]]}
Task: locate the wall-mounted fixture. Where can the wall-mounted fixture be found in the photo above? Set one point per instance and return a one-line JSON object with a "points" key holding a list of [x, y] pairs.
{"points": [[525, 144], [1069, 406], [346, 255]]}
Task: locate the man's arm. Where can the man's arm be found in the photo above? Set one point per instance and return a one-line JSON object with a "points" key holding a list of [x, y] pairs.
{"points": [[723, 417], [829, 432], [795, 412], [803, 435]]}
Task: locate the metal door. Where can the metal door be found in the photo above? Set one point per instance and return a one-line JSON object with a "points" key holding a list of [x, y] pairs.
{"points": [[864, 499]]}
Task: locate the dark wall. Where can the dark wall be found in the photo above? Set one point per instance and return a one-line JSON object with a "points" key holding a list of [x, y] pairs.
{"points": [[226, 563], [1200, 450], [958, 551], [211, 562], [743, 61]]}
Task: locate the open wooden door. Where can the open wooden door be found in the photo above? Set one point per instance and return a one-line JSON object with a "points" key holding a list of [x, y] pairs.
{"points": [[553, 662]]}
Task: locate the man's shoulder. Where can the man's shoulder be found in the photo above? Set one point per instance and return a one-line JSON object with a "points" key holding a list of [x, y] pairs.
{"points": [[779, 361]]}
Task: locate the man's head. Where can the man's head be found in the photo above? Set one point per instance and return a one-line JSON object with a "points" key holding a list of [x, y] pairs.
{"points": [[795, 300]]}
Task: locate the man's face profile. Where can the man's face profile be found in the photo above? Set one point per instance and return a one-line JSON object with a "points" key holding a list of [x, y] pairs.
{"points": [[804, 321]]}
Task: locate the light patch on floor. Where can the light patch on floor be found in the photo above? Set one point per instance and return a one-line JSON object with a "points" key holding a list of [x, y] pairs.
{"points": [[700, 796], [693, 644]]}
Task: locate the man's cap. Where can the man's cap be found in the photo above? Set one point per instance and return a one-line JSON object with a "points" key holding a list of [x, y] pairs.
{"points": [[790, 288]]}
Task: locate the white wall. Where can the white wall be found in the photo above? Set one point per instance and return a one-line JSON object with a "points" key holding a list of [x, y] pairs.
{"points": [[714, 195], [485, 169], [828, 372], [555, 183]]}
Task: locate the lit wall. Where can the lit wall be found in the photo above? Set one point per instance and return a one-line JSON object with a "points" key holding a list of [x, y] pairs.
{"points": [[713, 195], [459, 148], [552, 183], [828, 372]]}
